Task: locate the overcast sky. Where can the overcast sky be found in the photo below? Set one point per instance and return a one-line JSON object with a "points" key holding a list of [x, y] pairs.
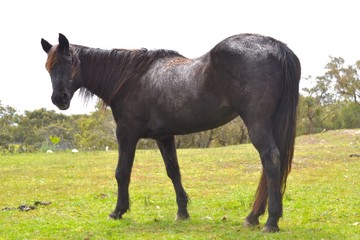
{"points": [[314, 30]]}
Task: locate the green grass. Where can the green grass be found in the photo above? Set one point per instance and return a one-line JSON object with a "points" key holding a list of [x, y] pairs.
{"points": [[322, 200]]}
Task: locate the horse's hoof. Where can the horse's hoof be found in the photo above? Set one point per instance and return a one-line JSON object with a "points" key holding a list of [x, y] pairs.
{"points": [[270, 229], [249, 224], [181, 217], [114, 216]]}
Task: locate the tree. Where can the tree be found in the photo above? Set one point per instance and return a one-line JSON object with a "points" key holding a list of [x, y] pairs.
{"points": [[347, 78], [350, 116], [325, 104], [35, 128], [235, 132], [8, 124], [318, 107], [96, 131]]}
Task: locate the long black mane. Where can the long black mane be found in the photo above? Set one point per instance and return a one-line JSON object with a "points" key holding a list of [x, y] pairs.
{"points": [[121, 65]]}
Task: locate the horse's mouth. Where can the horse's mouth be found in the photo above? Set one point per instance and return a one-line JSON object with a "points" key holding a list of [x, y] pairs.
{"points": [[63, 106]]}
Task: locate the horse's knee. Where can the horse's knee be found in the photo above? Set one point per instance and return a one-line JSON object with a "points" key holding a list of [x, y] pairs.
{"points": [[173, 174], [121, 176]]}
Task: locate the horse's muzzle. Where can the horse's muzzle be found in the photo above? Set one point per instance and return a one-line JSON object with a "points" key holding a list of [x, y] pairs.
{"points": [[61, 100]]}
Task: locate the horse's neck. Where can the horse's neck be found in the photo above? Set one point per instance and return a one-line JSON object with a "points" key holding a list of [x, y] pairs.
{"points": [[104, 72], [98, 73]]}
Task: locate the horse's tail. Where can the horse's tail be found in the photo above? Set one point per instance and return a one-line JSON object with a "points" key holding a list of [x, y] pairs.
{"points": [[284, 120]]}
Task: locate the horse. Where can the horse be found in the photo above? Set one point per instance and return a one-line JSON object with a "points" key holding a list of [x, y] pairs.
{"points": [[158, 94]]}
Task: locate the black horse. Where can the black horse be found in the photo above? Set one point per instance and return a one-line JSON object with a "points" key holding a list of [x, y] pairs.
{"points": [[158, 94]]}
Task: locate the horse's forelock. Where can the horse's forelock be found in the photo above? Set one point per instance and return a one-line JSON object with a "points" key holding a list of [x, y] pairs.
{"points": [[51, 60], [54, 56]]}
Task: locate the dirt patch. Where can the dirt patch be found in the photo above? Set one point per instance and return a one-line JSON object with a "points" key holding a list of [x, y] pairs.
{"points": [[307, 140], [327, 137], [351, 132]]}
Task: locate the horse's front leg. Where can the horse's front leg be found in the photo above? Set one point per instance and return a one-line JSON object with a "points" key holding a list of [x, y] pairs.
{"points": [[168, 152], [127, 146]]}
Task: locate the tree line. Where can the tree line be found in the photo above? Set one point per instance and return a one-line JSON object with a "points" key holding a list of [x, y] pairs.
{"points": [[331, 102]]}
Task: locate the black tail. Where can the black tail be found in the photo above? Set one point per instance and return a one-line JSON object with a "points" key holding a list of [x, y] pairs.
{"points": [[284, 122]]}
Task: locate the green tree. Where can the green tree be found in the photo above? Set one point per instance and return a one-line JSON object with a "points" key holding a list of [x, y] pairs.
{"points": [[96, 131], [347, 78], [234, 132], [350, 116], [318, 106], [35, 128], [8, 124]]}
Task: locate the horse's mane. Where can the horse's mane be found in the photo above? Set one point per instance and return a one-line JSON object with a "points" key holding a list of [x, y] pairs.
{"points": [[118, 66]]}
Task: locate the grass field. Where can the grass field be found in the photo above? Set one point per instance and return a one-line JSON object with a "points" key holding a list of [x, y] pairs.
{"points": [[322, 200]]}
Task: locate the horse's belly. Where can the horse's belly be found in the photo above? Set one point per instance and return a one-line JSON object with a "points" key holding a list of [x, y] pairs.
{"points": [[189, 121]]}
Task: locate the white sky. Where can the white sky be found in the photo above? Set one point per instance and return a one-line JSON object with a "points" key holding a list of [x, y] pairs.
{"points": [[312, 29]]}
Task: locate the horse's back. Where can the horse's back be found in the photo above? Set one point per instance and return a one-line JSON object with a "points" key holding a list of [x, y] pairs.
{"points": [[250, 45]]}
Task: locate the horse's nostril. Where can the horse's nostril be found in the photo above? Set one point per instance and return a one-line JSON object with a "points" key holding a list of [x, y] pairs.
{"points": [[64, 97]]}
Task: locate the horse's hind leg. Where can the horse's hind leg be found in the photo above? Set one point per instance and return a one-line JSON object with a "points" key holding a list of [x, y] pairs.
{"points": [[261, 136], [168, 152]]}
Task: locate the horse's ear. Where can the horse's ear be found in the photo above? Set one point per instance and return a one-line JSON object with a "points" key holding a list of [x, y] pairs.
{"points": [[63, 42], [45, 45]]}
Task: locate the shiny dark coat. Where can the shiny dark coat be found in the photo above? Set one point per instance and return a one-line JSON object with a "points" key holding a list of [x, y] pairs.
{"points": [[159, 94]]}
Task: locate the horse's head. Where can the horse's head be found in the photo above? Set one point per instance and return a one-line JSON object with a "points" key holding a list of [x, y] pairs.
{"points": [[62, 67]]}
